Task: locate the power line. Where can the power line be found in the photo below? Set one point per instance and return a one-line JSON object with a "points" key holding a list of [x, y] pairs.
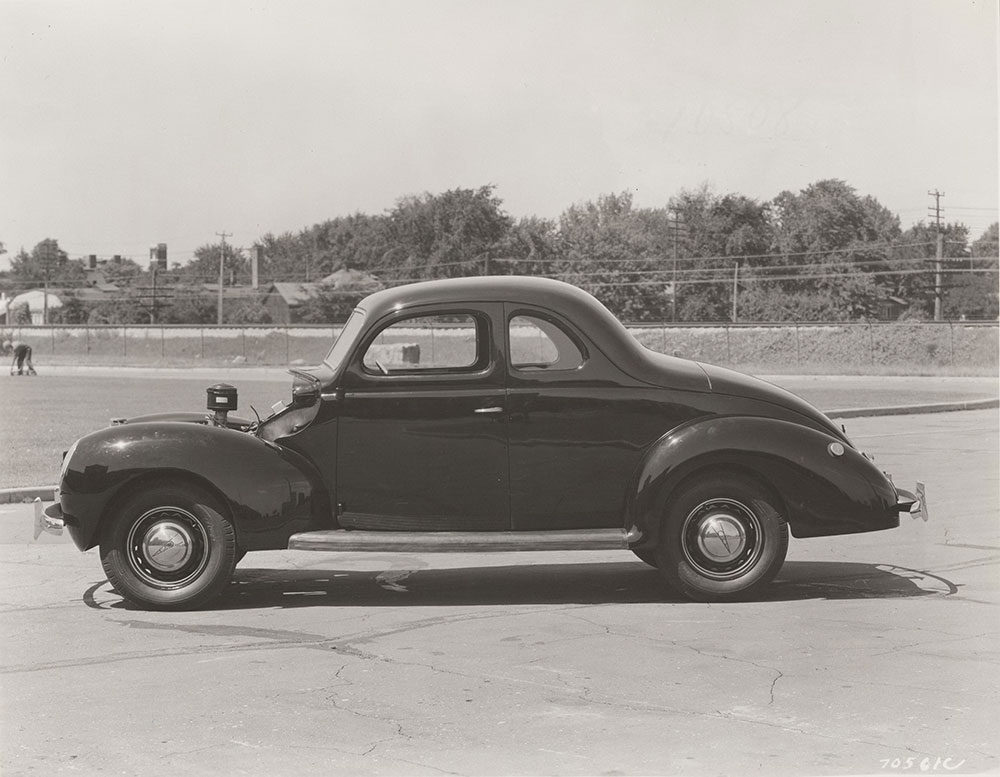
{"points": [[780, 254], [758, 268], [771, 279], [795, 271], [861, 247]]}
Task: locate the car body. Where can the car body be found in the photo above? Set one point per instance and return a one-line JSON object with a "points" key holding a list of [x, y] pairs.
{"points": [[506, 413]]}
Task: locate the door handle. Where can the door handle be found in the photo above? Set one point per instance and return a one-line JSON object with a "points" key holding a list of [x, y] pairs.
{"points": [[488, 410]]}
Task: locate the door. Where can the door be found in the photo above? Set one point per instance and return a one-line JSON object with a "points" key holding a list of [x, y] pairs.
{"points": [[422, 431], [578, 426]]}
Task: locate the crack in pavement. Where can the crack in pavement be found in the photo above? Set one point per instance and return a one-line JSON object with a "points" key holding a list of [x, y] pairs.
{"points": [[425, 766], [280, 640], [390, 721], [677, 643], [922, 643]]}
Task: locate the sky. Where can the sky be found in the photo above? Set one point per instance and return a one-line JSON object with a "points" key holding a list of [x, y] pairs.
{"points": [[129, 123]]}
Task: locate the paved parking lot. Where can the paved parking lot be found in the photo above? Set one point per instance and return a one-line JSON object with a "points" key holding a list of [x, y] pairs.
{"points": [[870, 654]]}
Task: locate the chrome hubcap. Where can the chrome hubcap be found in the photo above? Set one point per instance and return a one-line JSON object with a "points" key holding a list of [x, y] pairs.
{"points": [[167, 547], [722, 539]]}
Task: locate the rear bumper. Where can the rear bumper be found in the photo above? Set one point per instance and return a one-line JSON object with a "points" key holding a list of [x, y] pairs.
{"points": [[52, 520], [914, 503], [49, 520]]}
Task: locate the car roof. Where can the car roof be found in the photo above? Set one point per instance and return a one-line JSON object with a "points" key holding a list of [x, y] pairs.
{"points": [[541, 292], [594, 320]]}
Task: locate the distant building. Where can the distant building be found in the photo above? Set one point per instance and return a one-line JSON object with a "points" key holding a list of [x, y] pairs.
{"points": [[284, 300], [96, 279], [349, 278], [891, 308], [233, 297], [231, 292]]}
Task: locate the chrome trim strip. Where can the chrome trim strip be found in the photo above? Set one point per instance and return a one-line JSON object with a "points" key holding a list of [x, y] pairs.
{"points": [[435, 391], [345, 540]]}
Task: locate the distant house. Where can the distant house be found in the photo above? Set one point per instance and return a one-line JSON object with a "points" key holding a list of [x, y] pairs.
{"points": [[98, 289], [284, 300], [232, 296], [96, 279], [348, 278], [891, 308], [231, 292]]}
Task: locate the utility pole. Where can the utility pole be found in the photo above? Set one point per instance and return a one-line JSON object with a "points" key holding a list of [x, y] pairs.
{"points": [[938, 253], [736, 288], [222, 259], [50, 258], [153, 262], [675, 227], [152, 314]]}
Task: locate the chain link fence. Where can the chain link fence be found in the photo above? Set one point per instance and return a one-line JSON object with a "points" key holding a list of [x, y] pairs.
{"points": [[970, 347]]}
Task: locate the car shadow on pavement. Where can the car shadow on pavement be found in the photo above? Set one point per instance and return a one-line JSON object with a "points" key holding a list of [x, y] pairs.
{"points": [[581, 583]]}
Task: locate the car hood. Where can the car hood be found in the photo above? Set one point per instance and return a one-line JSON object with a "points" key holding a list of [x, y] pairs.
{"points": [[193, 418], [737, 384]]}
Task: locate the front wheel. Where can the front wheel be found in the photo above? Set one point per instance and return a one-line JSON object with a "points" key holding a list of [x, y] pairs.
{"points": [[722, 539], [169, 546]]}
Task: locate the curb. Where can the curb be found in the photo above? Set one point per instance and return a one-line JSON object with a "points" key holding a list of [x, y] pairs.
{"points": [[938, 407], [47, 493], [26, 494]]}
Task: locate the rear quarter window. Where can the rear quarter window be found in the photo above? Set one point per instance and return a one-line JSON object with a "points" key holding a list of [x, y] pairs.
{"points": [[540, 344]]}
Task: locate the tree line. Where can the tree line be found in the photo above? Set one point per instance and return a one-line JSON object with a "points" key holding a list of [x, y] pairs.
{"points": [[825, 253]]}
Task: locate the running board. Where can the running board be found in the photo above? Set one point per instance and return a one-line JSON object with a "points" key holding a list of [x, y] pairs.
{"points": [[346, 540]]}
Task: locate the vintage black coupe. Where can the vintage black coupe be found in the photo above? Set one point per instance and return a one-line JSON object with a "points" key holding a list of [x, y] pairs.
{"points": [[476, 414]]}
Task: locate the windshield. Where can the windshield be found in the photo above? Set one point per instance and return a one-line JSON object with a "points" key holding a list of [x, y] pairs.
{"points": [[342, 345]]}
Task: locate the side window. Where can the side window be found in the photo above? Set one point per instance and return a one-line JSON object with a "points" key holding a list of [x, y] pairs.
{"points": [[443, 343], [539, 344]]}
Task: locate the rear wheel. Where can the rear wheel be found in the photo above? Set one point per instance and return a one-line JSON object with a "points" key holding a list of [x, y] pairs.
{"points": [[169, 546], [722, 539]]}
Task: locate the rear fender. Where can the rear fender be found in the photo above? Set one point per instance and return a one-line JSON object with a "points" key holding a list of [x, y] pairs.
{"points": [[271, 492], [818, 492]]}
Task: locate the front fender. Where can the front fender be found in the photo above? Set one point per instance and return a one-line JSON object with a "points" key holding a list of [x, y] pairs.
{"points": [[821, 494], [272, 492]]}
